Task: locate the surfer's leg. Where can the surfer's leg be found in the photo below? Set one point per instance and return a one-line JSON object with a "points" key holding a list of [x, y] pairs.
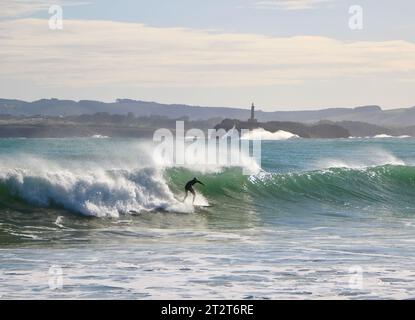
{"points": [[194, 195], [185, 197]]}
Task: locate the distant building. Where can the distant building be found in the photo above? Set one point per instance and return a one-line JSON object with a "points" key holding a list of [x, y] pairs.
{"points": [[252, 119]]}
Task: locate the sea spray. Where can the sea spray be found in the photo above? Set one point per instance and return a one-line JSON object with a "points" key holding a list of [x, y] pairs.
{"points": [[119, 183]]}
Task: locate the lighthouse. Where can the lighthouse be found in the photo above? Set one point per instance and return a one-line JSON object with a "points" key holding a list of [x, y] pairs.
{"points": [[252, 119]]}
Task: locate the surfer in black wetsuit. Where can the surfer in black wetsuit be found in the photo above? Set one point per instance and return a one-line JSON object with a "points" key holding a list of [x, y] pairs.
{"points": [[189, 188]]}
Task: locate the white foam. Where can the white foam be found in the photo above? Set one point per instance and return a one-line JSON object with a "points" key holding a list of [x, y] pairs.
{"points": [[98, 193], [59, 221], [383, 136], [373, 157], [262, 134]]}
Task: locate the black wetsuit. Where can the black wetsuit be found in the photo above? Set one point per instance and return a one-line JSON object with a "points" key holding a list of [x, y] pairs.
{"points": [[189, 188]]}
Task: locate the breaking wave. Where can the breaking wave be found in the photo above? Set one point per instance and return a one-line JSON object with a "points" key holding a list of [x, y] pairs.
{"points": [[262, 134], [102, 189]]}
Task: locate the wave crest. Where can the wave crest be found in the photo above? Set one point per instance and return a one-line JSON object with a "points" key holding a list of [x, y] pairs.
{"points": [[99, 193]]}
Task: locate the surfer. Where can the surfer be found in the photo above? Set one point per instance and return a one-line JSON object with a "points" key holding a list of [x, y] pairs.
{"points": [[189, 188]]}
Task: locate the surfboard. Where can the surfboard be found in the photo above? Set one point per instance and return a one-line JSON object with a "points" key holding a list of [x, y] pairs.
{"points": [[202, 206]]}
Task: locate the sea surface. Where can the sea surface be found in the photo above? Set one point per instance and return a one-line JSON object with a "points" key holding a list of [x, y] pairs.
{"points": [[102, 219]]}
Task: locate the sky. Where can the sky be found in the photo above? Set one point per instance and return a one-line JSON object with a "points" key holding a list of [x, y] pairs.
{"points": [[280, 54]]}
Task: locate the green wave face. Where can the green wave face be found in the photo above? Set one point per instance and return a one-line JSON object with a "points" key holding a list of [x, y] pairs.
{"points": [[381, 187]]}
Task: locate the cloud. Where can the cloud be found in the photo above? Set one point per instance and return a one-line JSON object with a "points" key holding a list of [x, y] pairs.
{"points": [[93, 54], [21, 8], [291, 4]]}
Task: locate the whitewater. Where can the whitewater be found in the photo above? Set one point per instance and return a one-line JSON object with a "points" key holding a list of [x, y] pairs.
{"points": [[307, 216]]}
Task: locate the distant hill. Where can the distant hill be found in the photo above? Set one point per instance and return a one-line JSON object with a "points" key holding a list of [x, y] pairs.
{"points": [[118, 125], [363, 129], [54, 107], [96, 125]]}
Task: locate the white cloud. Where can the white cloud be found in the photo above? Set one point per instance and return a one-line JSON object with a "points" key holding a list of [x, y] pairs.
{"points": [[93, 54], [291, 4]]}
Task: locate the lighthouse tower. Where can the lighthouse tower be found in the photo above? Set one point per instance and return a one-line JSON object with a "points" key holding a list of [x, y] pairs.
{"points": [[252, 119]]}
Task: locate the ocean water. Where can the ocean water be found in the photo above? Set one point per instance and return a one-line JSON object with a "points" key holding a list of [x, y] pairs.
{"points": [[100, 218]]}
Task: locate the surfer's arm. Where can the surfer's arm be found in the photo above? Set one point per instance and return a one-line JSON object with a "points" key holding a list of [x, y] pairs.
{"points": [[201, 183]]}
